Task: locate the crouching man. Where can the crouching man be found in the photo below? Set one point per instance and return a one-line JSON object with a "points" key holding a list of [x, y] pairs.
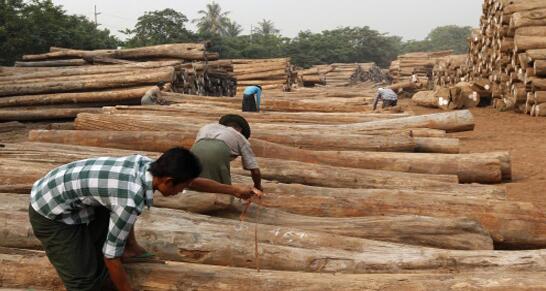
{"points": [[83, 212]]}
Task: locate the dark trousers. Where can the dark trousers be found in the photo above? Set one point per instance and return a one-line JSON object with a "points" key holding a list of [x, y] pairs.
{"points": [[75, 250], [249, 103], [389, 103]]}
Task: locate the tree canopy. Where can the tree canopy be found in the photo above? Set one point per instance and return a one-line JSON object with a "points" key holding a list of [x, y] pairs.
{"points": [[33, 26]]}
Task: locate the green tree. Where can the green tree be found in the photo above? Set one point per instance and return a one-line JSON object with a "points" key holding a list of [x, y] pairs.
{"points": [[28, 27], [450, 37], [213, 20], [233, 29], [159, 27], [266, 27]]}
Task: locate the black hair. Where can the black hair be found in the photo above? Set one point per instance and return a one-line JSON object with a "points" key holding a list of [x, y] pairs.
{"points": [[178, 163], [161, 83], [239, 120], [259, 86]]}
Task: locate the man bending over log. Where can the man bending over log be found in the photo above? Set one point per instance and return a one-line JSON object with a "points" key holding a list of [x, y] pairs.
{"points": [[252, 98], [153, 96], [83, 212], [217, 144], [388, 96]]}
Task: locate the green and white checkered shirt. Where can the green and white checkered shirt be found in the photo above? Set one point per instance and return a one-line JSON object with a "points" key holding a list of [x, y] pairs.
{"points": [[69, 194]]}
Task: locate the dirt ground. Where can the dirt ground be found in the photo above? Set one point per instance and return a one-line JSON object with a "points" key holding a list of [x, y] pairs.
{"points": [[523, 136]]}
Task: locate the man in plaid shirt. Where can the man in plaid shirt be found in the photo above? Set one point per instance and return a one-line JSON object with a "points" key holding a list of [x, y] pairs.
{"points": [[84, 212]]}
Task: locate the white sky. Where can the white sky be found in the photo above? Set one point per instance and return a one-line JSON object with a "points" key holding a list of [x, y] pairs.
{"points": [[409, 19]]}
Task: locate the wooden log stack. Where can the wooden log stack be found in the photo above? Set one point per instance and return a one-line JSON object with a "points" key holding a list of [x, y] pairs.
{"points": [[508, 49], [420, 64], [272, 74], [450, 70], [63, 82]]}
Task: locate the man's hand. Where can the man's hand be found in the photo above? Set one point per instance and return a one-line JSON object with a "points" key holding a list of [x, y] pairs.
{"points": [[246, 192]]}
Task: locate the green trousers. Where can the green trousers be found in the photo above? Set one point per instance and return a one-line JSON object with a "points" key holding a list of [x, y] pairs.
{"points": [[215, 157], [75, 250]]}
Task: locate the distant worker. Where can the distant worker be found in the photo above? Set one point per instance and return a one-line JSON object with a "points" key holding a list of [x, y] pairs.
{"points": [[388, 96], [217, 144], [252, 98], [153, 96]]}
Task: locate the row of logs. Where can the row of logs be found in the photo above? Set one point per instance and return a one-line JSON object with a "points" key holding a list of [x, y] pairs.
{"points": [[270, 74]]}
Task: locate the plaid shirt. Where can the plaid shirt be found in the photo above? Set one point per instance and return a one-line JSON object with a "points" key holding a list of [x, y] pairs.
{"points": [[69, 194]]}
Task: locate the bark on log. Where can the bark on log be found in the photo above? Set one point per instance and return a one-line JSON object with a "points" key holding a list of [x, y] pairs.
{"points": [[523, 43], [528, 19], [87, 70], [179, 51], [437, 145], [17, 264], [119, 95], [43, 114], [426, 99], [108, 81], [446, 233], [538, 54], [475, 168], [539, 68], [57, 63]]}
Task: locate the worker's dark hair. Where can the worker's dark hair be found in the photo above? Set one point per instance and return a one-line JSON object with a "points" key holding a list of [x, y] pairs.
{"points": [[239, 120], [259, 86], [178, 163], [161, 83]]}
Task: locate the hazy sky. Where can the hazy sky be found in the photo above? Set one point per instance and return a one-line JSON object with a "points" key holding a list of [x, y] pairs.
{"points": [[409, 19]]}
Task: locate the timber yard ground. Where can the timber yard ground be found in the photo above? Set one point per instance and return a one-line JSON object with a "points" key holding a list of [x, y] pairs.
{"points": [[524, 137]]}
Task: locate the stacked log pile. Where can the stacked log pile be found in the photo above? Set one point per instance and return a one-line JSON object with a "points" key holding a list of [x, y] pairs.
{"points": [[341, 74], [459, 96], [271, 74], [509, 49], [450, 70], [347, 193], [63, 82], [420, 64]]}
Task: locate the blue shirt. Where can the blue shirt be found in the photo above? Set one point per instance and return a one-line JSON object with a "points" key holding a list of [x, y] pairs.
{"points": [[254, 90]]}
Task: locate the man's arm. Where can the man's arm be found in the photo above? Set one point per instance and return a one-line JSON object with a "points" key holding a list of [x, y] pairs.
{"points": [[117, 274], [211, 186], [258, 99], [257, 178]]}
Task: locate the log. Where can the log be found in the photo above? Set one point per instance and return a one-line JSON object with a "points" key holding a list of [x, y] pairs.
{"points": [[445, 233], [119, 95], [224, 242], [538, 84], [43, 114], [10, 126], [460, 233], [56, 63], [475, 168], [39, 158], [178, 51], [437, 145], [108, 81], [523, 43], [16, 264], [537, 54], [426, 99], [528, 19], [87, 70], [539, 68]]}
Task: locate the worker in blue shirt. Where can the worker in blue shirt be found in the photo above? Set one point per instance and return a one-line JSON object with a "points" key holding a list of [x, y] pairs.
{"points": [[252, 98]]}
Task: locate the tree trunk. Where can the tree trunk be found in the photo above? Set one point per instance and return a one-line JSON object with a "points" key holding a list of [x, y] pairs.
{"points": [[185, 51], [478, 168], [107, 81], [43, 114], [129, 94], [437, 145], [529, 42], [538, 54], [18, 264], [426, 99], [445, 233], [87, 70], [539, 68], [528, 19], [57, 63]]}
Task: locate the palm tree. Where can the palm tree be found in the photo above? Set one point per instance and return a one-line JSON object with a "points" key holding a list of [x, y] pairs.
{"points": [[233, 29], [213, 20], [266, 27]]}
